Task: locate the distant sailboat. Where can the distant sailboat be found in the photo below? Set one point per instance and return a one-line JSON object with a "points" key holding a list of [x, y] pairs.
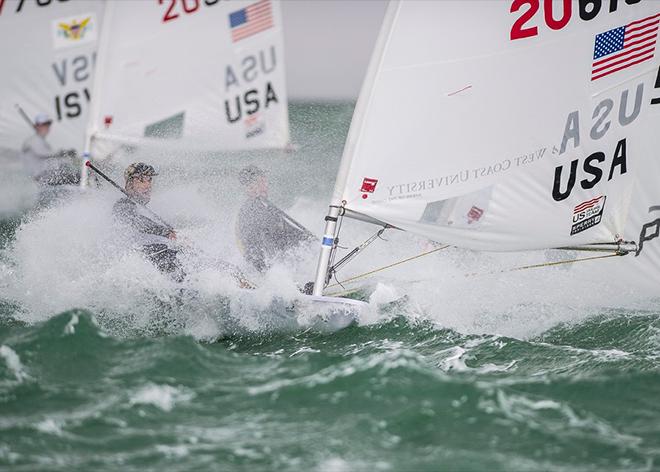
{"points": [[48, 51], [193, 76], [510, 126]]}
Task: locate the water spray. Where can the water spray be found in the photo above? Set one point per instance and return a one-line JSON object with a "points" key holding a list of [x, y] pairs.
{"points": [[232, 269], [114, 184]]}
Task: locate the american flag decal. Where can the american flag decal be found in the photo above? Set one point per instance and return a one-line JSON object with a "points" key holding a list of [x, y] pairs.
{"points": [[586, 205], [625, 46], [250, 20], [588, 214], [474, 214]]}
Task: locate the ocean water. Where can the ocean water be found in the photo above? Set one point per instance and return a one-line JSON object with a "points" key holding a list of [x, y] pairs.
{"points": [[107, 365]]}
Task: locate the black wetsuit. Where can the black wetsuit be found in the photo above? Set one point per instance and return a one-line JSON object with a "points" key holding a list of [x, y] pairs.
{"points": [[151, 236], [265, 233]]}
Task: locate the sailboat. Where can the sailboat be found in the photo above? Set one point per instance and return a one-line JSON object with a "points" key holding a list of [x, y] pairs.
{"points": [[510, 126], [190, 76], [48, 51]]}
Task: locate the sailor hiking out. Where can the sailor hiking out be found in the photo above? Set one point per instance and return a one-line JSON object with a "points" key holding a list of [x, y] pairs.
{"points": [[41, 162], [265, 232], [154, 238]]}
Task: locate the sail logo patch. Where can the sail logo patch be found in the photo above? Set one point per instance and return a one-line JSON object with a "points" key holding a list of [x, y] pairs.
{"points": [[253, 126], [74, 31], [368, 186], [588, 214], [474, 214]]}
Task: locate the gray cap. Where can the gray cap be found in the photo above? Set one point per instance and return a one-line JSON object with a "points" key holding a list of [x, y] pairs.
{"points": [[249, 174], [139, 169]]}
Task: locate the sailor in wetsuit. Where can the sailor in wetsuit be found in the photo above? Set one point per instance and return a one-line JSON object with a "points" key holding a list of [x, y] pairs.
{"points": [[264, 231], [42, 163], [155, 238]]}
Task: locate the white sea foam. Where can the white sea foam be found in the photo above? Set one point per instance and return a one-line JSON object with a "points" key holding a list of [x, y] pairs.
{"points": [[70, 327], [49, 426], [337, 464], [164, 397], [8, 455], [555, 417], [303, 350], [173, 451], [13, 362], [452, 359]]}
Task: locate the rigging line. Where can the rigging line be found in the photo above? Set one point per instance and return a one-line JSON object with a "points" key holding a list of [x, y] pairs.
{"points": [[544, 264], [356, 251], [534, 266], [390, 265]]}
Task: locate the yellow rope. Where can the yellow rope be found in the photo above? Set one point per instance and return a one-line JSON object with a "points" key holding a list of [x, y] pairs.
{"points": [[545, 264], [387, 266], [534, 266]]}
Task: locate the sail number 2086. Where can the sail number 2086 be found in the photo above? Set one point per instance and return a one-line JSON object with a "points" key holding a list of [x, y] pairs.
{"points": [[556, 15]]}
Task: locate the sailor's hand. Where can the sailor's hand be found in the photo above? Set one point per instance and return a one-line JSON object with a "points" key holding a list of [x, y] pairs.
{"points": [[244, 283], [171, 235]]}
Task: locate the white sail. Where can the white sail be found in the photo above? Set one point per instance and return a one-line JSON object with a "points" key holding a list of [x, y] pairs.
{"points": [[204, 75], [509, 126], [47, 50], [469, 137]]}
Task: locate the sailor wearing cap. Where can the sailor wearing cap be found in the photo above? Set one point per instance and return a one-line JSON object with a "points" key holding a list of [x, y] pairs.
{"points": [[153, 238], [36, 149], [264, 231], [41, 162]]}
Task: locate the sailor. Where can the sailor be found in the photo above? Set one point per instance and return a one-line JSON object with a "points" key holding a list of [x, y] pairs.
{"points": [[44, 165], [154, 238], [265, 232]]}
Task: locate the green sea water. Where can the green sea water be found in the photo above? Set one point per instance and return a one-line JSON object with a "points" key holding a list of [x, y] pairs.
{"points": [[102, 368]]}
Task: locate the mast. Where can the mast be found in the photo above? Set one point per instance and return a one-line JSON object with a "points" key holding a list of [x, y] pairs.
{"points": [[102, 45], [329, 234]]}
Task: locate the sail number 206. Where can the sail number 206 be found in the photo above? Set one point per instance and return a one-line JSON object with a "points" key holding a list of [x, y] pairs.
{"points": [[556, 15], [175, 8]]}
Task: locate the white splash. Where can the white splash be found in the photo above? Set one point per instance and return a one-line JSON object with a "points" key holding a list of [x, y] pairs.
{"points": [[164, 397], [70, 327], [173, 451], [49, 426], [13, 362]]}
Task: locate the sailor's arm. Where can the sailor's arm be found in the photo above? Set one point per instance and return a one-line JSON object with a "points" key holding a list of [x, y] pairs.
{"points": [[37, 147], [127, 212], [147, 225]]}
